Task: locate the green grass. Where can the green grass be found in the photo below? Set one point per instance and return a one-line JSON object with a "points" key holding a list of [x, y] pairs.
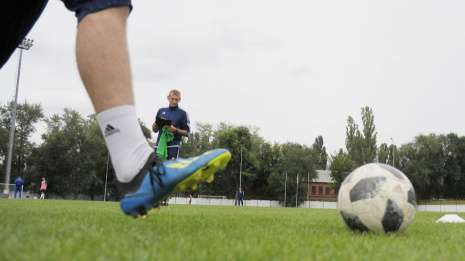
{"points": [[85, 230]]}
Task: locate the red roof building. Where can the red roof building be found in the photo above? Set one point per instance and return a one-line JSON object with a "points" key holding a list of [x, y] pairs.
{"points": [[319, 189]]}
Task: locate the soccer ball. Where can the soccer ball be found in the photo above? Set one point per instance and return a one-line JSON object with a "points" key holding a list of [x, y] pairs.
{"points": [[377, 197]]}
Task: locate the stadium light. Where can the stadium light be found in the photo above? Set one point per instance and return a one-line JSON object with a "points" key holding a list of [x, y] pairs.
{"points": [[26, 44], [240, 171], [393, 153], [297, 190]]}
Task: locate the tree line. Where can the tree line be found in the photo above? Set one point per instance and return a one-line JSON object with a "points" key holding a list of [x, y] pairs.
{"points": [[434, 163], [73, 157]]}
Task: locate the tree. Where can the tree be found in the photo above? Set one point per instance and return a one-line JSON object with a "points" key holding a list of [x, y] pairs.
{"points": [[197, 142], [73, 155], [369, 136], [453, 163], [362, 146], [383, 154], [268, 155], [145, 130], [393, 156], [341, 164], [27, 116], [354, 141], [238, 140], [318, 145], [423, 162], [297, 161]]}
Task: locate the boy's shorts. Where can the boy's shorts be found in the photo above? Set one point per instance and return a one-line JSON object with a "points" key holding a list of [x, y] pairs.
{"points": [[17, 17]]}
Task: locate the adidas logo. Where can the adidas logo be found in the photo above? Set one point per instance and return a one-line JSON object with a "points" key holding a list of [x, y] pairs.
{"points": [[398, 188], [110, 130]]}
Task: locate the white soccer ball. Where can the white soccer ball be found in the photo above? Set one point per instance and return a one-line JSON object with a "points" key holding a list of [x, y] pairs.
{"points": [[377, 197]]}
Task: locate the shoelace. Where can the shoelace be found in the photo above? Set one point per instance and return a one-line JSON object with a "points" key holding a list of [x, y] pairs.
{"points": [[155, 176]]}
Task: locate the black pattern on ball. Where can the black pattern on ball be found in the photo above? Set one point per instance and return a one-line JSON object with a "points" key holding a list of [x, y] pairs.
{"points": [[412, 198], [347, 179], [393, 217], [353, 222], [392, 170], [366, 188]]}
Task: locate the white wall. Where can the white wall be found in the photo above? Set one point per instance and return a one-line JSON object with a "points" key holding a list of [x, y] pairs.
{"points": [[306, 204]]}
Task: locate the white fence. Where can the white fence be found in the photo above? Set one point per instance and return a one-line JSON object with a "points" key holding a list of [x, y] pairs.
{"points": [[250, 203], [441, 208], [306, 204]]}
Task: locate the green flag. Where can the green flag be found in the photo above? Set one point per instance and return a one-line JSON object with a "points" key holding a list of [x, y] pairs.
{"points": [[162, 149]]}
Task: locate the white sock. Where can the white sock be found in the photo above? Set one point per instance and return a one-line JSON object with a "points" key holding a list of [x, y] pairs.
{"points": [[128, 147]]}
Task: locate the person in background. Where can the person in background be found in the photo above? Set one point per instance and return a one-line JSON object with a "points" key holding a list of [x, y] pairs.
{"points": [[180, 126], [43, 188], [19, 186], [240, 197]]}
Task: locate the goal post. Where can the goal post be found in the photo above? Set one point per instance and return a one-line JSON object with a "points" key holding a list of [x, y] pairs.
{"points": [[9, 190]]}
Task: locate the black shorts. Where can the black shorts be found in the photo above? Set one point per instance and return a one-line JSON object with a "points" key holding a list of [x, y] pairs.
{"points": [[42, 190], [173, 152], [18, 16]]}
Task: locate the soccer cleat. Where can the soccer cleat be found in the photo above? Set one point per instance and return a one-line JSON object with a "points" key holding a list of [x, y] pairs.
{"points": [[160, 179]]}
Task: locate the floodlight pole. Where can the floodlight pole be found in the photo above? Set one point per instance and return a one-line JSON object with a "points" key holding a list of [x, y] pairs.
{"points": [[26, 44], [297, 190], [240, 171], [308, 185], [393, 153], [106, 178], [285, 184]]}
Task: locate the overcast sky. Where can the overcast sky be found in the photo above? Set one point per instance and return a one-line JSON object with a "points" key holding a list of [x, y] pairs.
{"points": [[294, 69]]}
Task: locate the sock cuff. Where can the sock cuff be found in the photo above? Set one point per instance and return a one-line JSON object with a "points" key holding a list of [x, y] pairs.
{"points": [[116, 113]]}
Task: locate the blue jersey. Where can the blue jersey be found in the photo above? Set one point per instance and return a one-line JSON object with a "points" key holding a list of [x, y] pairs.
{"points": [[19, 182], [179, 119], [240, 194]]}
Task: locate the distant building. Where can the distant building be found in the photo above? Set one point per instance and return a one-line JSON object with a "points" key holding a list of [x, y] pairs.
{"points": [[319, 189]]}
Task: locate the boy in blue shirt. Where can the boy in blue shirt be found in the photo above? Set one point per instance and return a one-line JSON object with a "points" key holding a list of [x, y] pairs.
{"points": [[180, 126]]}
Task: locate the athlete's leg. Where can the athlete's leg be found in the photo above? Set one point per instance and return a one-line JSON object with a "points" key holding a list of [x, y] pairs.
{"points": [[103, 60], [143, 179], [103, 63]]}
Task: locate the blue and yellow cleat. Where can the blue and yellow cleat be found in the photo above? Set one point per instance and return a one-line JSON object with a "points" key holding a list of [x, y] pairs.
{"points": [[159, 179]]}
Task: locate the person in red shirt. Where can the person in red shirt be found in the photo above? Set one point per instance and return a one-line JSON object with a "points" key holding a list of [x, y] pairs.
{"points": [[43, 188]]}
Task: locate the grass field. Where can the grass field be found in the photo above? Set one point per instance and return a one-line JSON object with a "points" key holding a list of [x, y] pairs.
{"points": [[86, 230]]}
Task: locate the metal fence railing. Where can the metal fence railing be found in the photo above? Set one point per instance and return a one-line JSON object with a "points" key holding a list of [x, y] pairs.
{"points": [[455, 205], [442, 205]]}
